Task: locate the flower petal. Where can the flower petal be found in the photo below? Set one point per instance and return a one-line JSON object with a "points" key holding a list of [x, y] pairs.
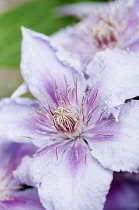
{"points": [[67, 184], [123, 194], [15, 152], [41, 69], [87, 8], [68, 52], [13, 121], [80, 9], [116, 74], [22, 89], [26, 199], [120, 151]]}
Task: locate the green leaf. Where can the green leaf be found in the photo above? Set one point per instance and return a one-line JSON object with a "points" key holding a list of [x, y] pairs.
{"points": [[37, 15]]}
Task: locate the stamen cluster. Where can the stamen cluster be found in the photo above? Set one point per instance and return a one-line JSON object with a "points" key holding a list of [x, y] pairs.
{"points": [[67, 119], [105, 34]]}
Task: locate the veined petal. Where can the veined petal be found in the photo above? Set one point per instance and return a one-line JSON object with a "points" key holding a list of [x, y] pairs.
{"points": [[26, 199], [65, 183], [14, 151], [135, 46], [63, 38], [41, 69], [14, 121], [116, 74], [120, 151]]}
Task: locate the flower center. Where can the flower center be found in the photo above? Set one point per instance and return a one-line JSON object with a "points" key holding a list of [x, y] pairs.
{"points": [[69, 122], [105, 34], [65, 120]]}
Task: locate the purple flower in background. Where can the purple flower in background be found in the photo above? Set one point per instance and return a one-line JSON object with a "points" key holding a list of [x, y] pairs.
{"points": [[80, 142], [124, 192], [114, 25], [12, 195]]}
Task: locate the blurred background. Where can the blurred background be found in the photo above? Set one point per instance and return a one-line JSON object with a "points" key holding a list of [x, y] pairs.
{"points": [[38, 15]]}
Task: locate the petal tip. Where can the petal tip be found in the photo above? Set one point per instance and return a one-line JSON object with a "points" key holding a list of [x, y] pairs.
{"points": [[24, 30]]}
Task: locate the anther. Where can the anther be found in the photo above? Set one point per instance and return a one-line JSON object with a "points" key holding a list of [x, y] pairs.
{"points": [[65, 120], [105, 34]]}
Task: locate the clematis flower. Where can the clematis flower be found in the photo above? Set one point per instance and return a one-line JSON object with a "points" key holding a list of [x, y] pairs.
{"points": [[12, 196], [114, 25], [80, 143]]}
